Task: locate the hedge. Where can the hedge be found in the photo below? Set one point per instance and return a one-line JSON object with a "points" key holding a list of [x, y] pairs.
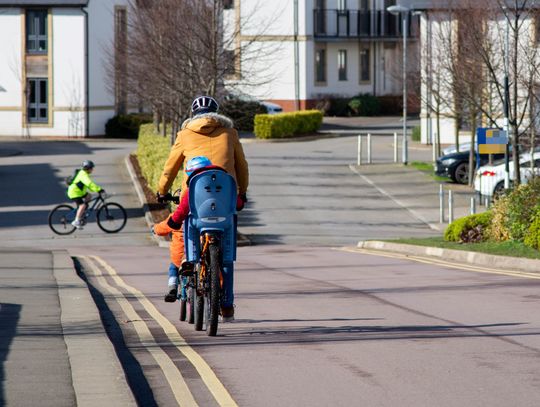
{"points": [[242, 112], [152, 152], [284, 125], [126, 125]]}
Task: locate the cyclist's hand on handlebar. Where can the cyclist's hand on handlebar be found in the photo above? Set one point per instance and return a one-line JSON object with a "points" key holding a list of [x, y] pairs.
{"points": [[163, 198], [101, 191]]}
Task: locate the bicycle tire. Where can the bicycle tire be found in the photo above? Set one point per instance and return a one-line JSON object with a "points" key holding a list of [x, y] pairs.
{"points": [[183, 310], [191, 305], [111, 217], [214, 291], [60, 218], [199, 306]]}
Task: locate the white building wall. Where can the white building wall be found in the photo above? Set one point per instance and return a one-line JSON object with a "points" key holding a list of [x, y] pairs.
{"points": [[69, 77], [101, 40], [10, 72]]}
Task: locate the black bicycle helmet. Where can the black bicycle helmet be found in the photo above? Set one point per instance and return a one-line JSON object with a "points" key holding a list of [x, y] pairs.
{"points": [[204, 104], [87, 165]]}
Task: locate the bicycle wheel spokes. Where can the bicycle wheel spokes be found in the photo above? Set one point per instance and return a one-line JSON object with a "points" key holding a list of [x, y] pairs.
{"points": [[60, 219], [111, 217]]}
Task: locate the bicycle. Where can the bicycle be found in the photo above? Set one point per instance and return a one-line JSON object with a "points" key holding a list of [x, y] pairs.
{"points": [[210, 242], [111, 217]]}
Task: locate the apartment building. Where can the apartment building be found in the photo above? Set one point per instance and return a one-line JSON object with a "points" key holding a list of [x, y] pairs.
{"points": [[53, 79], [321, 47]]}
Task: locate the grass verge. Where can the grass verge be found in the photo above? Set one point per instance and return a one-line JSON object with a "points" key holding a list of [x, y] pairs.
{"points": [[428, 169], [509, 248]]}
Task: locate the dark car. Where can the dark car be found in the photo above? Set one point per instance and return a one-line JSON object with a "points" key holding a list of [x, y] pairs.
{"points": [[456, 165]]}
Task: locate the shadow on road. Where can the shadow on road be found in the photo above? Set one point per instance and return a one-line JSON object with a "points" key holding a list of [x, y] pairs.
{"points": [[132, 369], [9, 318]]}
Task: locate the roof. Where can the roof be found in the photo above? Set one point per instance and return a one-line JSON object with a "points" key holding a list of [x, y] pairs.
{"points": [[54, 3]]}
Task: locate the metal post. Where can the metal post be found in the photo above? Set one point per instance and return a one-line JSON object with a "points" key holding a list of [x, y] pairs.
{"points": [[441, 204], [359, 158], [450, 206], [404, 153], [506, 101], [369, 148], [395, 148], [434, 149], [473, 205]]}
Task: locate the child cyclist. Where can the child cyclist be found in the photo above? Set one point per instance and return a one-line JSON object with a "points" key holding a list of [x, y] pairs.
{"points": [[78, 191], [172, 225]]}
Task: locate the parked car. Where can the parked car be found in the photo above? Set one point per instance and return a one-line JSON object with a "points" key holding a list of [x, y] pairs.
{"points": [[456, 165], [272, 108], [489, 179], [466, 146]]}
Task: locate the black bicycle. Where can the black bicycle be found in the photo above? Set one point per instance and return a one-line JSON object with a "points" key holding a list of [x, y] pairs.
{"points": [[111, 217]]}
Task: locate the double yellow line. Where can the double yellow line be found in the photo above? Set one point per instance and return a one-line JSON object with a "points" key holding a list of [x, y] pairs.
{"points": [[445, 263], [174, 377]]}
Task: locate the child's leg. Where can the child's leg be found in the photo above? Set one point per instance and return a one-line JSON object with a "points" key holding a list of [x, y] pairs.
{"points": [[172, 292], [173, 275]]}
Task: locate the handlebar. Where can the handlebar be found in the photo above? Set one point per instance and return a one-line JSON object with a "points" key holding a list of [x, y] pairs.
{"points": [[168, 198]]}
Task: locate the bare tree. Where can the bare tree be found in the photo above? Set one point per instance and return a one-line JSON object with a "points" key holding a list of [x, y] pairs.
{"points": [[178, 49], [484, 63]]}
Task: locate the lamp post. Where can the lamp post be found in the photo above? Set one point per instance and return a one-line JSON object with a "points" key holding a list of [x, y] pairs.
{"points": [[404, 12]]}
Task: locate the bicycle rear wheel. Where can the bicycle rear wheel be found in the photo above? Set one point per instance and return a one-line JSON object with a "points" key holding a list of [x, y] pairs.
{"points": [[213, 294], [191, 305], [111, 217], [199, 304], [60, 219]]}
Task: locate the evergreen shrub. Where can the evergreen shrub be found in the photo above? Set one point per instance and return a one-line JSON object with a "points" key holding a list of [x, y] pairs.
{"points": [[282, 125], [126, 125]]}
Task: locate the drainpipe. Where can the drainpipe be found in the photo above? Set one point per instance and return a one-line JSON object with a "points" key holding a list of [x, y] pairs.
{"points": [[86, 78], [296, 60]]}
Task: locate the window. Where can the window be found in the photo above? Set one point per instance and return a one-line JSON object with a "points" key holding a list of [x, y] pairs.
{"points": [[38, 108], [36, 31], [364, 5], [228, 4], [342, 65], [229, 59], [342, 5], [364, 65], [320, 65]]}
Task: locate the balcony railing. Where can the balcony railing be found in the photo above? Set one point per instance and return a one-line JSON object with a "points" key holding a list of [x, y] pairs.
{"points": [[329, 23]]}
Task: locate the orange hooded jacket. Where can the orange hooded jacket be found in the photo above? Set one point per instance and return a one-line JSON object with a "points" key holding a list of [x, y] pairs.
{"points": [[213, 136]]}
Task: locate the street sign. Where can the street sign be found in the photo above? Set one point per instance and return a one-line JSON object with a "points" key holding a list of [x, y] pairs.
{"points": [[491, 141]]}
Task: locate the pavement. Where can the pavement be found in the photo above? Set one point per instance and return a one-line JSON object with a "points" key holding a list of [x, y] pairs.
{"points": [[46, 308]]}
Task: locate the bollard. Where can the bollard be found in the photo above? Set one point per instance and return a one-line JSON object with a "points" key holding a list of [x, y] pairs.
{"points": [[450, 206], [473, 205], [441, 204], [395, 148], [369, 148], [434, 149], [359, 158]]}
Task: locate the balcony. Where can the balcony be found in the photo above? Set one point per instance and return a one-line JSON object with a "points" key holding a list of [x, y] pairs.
{"points": [[369, 24]]}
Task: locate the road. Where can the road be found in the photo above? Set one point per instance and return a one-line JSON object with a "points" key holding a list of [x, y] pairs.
{"points": [[318, 322]]}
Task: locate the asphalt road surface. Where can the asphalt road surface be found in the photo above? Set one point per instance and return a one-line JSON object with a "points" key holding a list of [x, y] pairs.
{"points": [[318, 322]]}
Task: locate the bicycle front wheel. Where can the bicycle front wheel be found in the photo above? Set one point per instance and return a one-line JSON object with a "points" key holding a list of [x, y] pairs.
{"points": [[213, 294], [111, 217], [60, 219]]}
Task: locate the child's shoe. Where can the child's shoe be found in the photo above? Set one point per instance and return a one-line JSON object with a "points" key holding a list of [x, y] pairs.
{"points": [[172, 295], [78, 224], [227, 314], [186, 268]]}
